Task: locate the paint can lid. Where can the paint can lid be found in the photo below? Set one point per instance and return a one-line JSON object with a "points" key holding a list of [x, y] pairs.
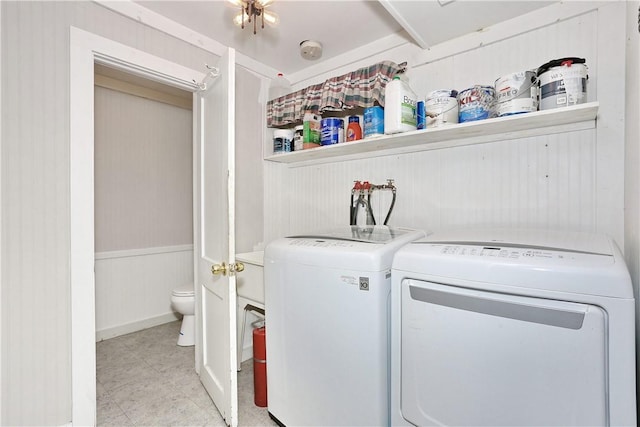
{"points": [[283, 133], [558, 62], [442, 93]]}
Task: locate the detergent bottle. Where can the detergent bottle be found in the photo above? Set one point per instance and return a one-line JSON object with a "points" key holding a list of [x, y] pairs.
{"points": [[399, 107], [354, 131]]}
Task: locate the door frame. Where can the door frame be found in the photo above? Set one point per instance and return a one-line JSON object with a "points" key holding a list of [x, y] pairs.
{"points": [[86, 49]]}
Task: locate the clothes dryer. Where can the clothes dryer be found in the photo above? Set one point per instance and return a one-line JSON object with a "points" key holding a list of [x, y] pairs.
{"points": [[327, 321], [512, 327]]}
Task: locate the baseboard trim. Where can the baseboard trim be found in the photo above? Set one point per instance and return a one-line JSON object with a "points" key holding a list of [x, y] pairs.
{"points": [[136, 326]]}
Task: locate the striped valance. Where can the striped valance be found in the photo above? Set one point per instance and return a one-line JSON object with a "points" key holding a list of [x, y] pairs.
{"points": [[360, 88]]}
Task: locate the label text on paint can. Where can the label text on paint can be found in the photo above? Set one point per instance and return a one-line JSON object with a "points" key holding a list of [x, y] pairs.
{"points": [[516, 93], [563, 85], [441, 108], [476, 103]]}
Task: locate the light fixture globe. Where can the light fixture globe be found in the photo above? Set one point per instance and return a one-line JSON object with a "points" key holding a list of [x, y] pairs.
{"points": [[252, 10]]}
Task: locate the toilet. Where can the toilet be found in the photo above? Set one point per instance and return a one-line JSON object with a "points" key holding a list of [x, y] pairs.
{"points": [[183, 301]]}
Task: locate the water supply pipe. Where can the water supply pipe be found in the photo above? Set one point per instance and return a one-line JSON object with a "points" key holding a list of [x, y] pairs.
{"points": [[365, 188]]}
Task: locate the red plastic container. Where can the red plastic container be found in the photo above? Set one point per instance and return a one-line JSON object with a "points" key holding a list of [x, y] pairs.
{"points": [[260, 367], [354, 131]]}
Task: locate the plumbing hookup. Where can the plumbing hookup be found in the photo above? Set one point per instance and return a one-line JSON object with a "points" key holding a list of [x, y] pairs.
{"points": [[361, 202]]}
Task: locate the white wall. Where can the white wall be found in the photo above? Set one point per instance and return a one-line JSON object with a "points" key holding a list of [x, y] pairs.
{"points": [[527, 182], [249, 194], [35, 287], [570, 180], [143, 210], [585, 180], [36, 348], [35, 302], [582, 180], [143, 172], [632, 154]]}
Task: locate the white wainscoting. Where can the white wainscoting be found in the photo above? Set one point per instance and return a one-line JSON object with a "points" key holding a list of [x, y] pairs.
{"points": [[133, 287]]}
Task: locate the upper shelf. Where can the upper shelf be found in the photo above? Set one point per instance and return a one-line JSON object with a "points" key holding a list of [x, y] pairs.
{"points": [[577, 117]]}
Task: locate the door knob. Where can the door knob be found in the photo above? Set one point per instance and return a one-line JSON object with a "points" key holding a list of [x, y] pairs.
{"points": [[238, 267], [219, 269]]}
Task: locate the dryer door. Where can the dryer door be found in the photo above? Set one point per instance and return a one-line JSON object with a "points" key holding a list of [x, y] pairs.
{"points": [[479, 358]]}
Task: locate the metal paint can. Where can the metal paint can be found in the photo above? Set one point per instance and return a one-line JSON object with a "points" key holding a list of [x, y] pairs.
{"points": [[563, 82], [517, 93], [331, 131], [373, 121], [282, 141], [441, 107], [476, 103]]}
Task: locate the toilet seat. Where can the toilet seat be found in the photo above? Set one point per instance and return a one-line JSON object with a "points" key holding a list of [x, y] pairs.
{"points": [[183, 291]]}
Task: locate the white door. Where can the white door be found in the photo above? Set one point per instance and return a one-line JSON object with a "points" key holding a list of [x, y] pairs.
{"points": [[215, 239]]}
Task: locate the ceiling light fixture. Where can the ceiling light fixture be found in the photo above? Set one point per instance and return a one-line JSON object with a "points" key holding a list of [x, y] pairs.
{"points": [[252, 10]]}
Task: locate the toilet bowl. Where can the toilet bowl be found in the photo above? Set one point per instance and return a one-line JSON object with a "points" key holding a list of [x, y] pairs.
{"points": [[184, 302]]}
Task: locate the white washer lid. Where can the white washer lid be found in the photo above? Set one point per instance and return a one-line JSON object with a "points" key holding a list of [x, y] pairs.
{"points": [[380, 234], [183, 291], [368, 249]]}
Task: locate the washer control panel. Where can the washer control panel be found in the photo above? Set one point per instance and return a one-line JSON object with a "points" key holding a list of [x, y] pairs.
{"points": [[323, 243]]}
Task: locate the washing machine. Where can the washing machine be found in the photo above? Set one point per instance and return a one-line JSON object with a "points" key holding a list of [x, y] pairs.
{"points": [[327, 325], [512, 328]]}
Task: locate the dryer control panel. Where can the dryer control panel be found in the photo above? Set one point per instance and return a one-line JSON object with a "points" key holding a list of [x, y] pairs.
{"points": [[518, 265], [501, 252]]}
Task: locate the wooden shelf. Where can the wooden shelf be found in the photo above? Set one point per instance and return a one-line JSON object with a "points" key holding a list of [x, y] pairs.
{"points": [[578, 117]]}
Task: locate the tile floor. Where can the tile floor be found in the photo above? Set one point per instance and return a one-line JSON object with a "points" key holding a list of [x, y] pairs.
{"points": [[145, 379]]}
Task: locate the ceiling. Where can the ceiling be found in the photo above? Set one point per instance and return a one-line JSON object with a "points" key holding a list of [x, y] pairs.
{"points": [[340, 26]]}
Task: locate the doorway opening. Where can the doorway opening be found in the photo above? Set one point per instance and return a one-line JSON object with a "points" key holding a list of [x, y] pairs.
{"points": [[143, 192], [86, 49]]}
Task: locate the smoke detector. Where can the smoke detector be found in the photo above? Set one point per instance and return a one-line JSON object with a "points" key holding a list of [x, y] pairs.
{"points": [[310, 49]]}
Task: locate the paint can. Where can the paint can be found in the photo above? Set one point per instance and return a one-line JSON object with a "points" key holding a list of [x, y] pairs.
{"points": [[373, 121], [441, 107], [516, 93], [563, 82], [331, 131], [476, 103], [282, 141]]}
